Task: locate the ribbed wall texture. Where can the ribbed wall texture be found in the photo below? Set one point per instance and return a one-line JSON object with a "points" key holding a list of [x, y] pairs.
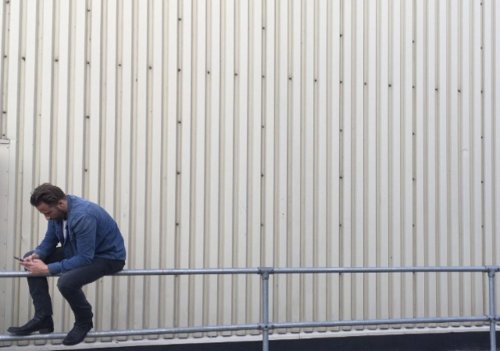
{"points": [[244, 133]]}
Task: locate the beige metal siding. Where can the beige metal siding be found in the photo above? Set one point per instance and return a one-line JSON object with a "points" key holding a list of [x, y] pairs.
{"points": [[243, 133]]}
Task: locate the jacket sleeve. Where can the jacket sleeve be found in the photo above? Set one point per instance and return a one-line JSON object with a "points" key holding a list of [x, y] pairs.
{"points": [[49, 242], [82, 236]]}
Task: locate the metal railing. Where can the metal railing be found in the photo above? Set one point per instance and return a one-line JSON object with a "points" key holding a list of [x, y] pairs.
{"points": [[265, 324]]}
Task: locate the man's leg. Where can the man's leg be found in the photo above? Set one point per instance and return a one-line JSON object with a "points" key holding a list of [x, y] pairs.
{"points": [[39, 291], [70, 285], [39, 288]]}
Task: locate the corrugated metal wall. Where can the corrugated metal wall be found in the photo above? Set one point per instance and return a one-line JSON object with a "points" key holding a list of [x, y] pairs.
{"points": [[243, 133]]}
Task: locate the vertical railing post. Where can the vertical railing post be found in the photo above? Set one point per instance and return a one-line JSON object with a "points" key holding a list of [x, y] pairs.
{"points": [[264, 272], [492, 308]]}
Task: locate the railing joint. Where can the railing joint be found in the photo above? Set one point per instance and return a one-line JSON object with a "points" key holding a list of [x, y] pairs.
{"points": [[265, 326], [265, 271], [492, 270]]}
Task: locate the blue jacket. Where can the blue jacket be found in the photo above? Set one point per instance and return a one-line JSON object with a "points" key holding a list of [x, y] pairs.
{"points": [[91, 233]]}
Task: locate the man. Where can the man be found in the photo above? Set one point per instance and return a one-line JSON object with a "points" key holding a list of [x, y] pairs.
{"points": [[91, 247]]}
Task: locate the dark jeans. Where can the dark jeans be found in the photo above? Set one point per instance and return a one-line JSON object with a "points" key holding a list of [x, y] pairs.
{"points": [[70, 285]]}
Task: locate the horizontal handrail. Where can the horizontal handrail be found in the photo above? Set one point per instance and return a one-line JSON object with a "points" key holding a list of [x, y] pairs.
{"points": [[255, 326], [366, 322], [138, 332], [265, 325], [277, 270]]}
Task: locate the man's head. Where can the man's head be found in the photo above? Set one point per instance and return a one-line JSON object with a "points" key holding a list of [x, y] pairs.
{"points": [[50, 201]]}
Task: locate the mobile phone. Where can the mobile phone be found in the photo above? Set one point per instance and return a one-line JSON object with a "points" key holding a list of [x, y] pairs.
{"points": [[18, 258]]}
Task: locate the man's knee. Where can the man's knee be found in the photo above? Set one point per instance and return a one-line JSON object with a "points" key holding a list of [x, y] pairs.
{"points": [[66, 286]]}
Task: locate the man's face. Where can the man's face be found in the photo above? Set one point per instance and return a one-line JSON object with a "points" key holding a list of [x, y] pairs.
{"points": [[52, 212]]}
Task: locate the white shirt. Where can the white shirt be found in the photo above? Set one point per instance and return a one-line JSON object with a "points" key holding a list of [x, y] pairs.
{"points": [[65, 230]]}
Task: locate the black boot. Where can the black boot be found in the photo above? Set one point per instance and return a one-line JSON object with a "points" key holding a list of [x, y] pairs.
{"points": [[78, 333], [44, 325]]}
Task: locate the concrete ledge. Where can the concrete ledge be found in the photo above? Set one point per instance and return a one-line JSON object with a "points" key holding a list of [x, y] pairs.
{"points": [[413, 339]]}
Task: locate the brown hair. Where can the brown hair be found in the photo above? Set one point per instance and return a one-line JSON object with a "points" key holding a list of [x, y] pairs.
{"points": [[47, 193]]}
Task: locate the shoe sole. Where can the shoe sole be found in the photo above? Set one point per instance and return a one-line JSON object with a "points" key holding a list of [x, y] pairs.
{"points": [[41, 331]]}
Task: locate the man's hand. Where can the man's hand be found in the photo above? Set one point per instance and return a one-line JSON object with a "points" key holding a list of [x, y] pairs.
{"points": [[35, 266], [33, 256]]}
